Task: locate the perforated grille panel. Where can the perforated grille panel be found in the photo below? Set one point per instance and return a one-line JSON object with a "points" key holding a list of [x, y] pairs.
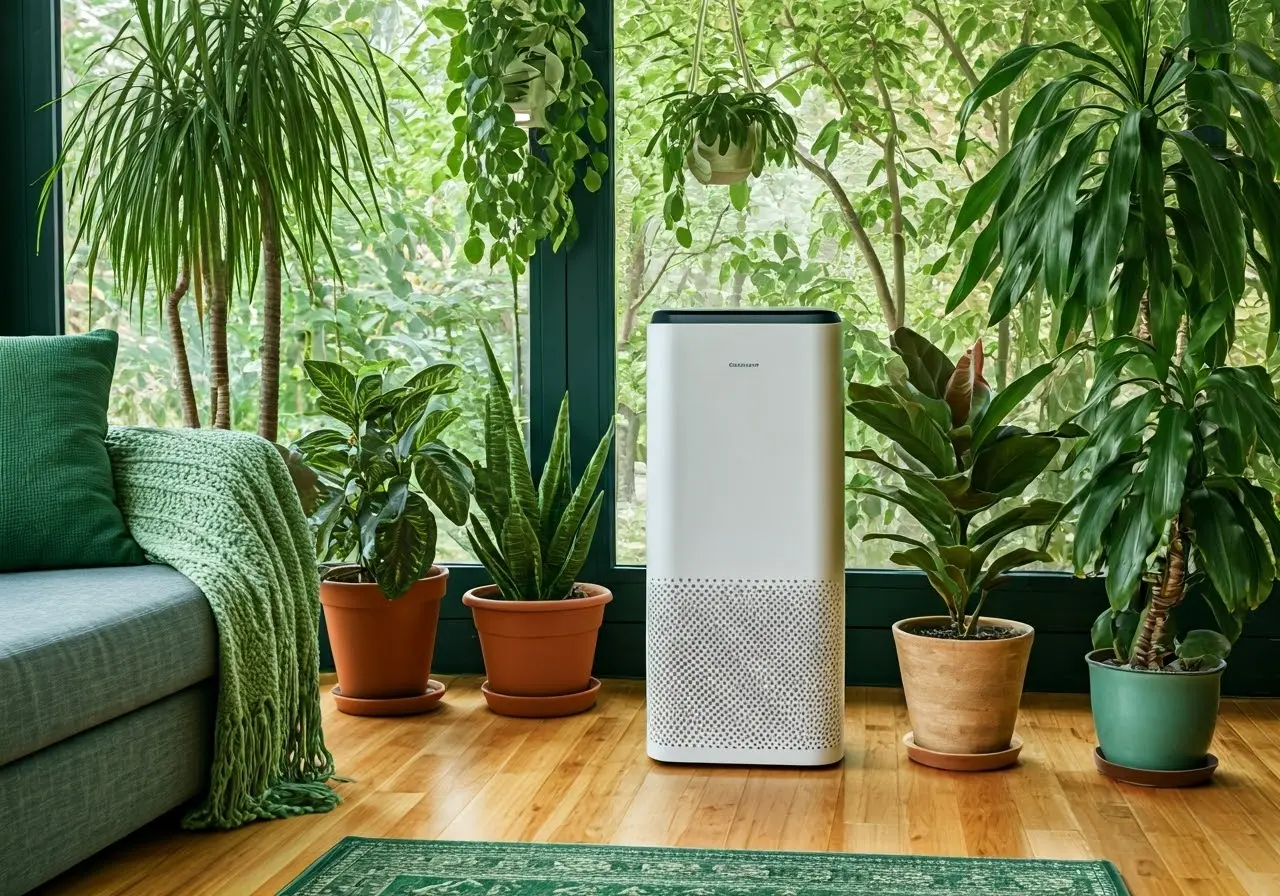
{"points": [[746, 664]]}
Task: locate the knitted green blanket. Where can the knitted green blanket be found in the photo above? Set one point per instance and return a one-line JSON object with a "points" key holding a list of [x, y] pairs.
{"points": [[220, 508]]}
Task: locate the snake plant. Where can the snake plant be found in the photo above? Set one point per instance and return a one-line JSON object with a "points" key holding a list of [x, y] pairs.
{"points": [[538, 537]]}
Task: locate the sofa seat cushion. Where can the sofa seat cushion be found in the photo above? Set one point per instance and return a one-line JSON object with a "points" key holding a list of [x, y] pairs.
{"points": [[80, 647]]}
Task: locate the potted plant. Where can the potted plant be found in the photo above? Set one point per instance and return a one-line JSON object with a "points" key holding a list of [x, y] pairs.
{"points": [[722, 134], [376, 533], [960, 464], [1151, 235], [537, 623], [521, 65]]}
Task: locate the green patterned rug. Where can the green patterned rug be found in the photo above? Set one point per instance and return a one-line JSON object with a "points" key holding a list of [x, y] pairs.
{"points": [[374, 867]]}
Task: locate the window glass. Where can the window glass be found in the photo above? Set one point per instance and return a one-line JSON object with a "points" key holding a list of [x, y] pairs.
{"points": [[822, 232], [406, 290]]}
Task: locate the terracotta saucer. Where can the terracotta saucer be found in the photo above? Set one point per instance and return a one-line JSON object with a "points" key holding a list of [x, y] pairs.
{"points": [[542, 707], [963, 762], [1154, 778], [390, 706]]}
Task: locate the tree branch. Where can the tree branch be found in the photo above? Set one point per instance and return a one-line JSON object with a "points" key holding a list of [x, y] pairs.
{"points": [[633, 308], [887, 306], [899, 248], [795, 71], [948, 40]]}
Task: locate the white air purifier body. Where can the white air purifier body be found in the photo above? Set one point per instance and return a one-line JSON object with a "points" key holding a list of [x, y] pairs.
{"points": [[745, 532]]}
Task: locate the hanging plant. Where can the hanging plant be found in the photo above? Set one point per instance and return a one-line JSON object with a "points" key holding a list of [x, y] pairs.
{"points": [[721, 135], [519, 67]]}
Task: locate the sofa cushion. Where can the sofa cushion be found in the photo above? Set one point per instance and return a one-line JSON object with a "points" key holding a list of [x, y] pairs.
{"points": [[80, 647], [57, 496]]}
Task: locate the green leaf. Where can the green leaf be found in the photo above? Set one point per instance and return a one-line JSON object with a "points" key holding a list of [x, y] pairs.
{"points": [[569, 524], [928, 369], [555, 485], [1119, 26], [1202, 649], [1007, 69], [451, 18], [1131, 542], [1260, 62], [1168, 459], [940, 525], [1039, 512], [522, 554], [1102, 497], [1221, 208], [979, 198], [445, 477], [1235, 558], [1007, 400], [907, 424], [337, 387], [404, 547], [473, 249], [1006, 467], [938, 501], [562, 584], [1110, 212], [1057, 224], [1012, 560], [740, 195]]}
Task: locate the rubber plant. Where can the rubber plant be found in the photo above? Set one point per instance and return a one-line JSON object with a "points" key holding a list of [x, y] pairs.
{"points": [[960, 465], [1140, 193], [721, 134], [221, 145], [538, 535], [521, 64], [381, 469]]}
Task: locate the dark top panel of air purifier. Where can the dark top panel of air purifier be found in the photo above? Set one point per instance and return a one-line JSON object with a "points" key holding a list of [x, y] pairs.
{"points": [[745, 316]]}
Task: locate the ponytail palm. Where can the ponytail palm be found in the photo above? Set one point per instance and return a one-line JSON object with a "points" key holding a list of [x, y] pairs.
{"points": [[305, 105], [228, 135]]}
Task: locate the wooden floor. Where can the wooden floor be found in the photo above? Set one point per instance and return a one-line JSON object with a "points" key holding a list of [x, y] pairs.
{"points": [[463, 773]]}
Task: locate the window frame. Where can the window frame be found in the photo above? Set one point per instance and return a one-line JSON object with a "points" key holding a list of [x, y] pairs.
{"points": [[572, 322]]}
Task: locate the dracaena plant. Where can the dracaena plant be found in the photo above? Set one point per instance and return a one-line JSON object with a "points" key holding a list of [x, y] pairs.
{"points": [[538, 536], [959, 464], [1141, 205], [1168, 500], [379, 468], [1137, 185]]}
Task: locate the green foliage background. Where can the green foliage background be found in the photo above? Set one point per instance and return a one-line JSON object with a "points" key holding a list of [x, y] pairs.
{"points": [[409, 292]]}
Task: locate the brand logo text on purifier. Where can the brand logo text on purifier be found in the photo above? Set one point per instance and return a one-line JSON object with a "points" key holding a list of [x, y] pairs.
{"points": [[744, 363]]}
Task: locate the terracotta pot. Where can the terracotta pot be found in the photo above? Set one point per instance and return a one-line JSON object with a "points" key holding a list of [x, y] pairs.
{"points": [[538, 648], [962, 696], [382, 648]]}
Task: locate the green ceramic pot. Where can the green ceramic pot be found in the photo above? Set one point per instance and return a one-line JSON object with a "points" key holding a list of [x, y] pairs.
{"points": [[1158, 721]]}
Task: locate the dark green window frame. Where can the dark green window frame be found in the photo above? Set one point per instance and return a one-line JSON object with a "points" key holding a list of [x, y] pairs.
{"points": [[572, 348]]}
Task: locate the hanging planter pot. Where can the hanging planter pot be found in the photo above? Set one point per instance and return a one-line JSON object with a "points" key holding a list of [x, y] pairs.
{"points": [[721, 133], [531, 83], [724, 164]]}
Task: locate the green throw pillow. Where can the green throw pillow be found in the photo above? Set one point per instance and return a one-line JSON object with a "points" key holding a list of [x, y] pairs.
{"points": [[57, 497]]}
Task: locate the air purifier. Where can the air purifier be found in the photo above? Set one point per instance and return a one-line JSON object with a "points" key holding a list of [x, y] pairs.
{"points": [[745, 536]]}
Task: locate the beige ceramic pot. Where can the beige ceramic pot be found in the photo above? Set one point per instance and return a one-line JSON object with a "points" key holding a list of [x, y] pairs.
{"points": [[962, 695]]}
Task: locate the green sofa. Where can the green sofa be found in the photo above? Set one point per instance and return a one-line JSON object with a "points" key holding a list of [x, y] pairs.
{"points": [[107, 698]]}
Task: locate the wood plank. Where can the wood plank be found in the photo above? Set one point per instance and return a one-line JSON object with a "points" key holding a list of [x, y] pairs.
{"points": [[463, 772]]}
